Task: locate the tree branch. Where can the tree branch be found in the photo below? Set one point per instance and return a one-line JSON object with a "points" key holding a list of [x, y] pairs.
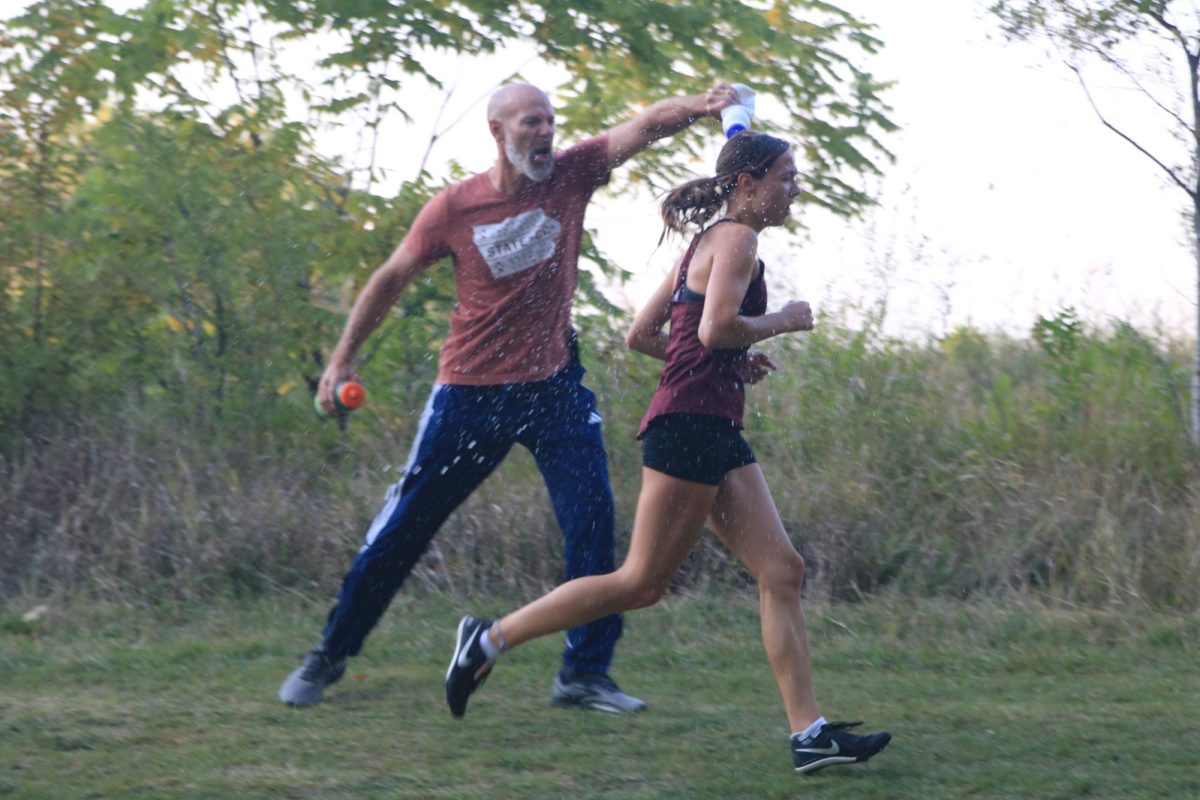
{"points": [[446, 99], [1158, 17], [433, 136], [375, 125], [223, 38], [1132, 78], [1170, 172]]}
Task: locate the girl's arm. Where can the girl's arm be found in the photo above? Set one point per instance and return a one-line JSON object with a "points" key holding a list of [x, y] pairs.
{"points": [[734, 266], [646, 334]]}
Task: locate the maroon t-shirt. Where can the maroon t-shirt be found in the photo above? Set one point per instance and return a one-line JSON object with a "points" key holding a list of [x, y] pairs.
{"points": [[515, 267], [695, 379]]}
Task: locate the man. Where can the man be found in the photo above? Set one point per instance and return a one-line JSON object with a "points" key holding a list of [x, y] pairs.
{"points": [[509, 373]]}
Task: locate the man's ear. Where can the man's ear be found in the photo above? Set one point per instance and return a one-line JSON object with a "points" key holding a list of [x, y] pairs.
{"points": [[497, 129]]}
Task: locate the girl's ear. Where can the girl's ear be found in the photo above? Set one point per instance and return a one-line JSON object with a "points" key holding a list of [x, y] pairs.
{"points": [[745, 184]]}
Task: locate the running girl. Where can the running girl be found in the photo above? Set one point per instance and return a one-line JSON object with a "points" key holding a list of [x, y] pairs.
{"points": [[697, 466]]}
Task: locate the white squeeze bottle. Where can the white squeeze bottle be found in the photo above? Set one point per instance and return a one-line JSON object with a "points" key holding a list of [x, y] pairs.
{"points": [[735, 119]]}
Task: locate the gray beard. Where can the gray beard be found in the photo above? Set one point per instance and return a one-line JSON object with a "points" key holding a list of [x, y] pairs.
{"points": [[525, 165]]}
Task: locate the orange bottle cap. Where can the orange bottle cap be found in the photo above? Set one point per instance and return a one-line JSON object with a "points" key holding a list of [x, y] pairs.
{"points": [[351, 394]]}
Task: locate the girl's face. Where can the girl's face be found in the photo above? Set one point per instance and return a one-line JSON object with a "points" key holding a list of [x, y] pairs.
{"points": [[774, 192]]}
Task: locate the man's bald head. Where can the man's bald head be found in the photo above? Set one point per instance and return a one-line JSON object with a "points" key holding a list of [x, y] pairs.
{"points": [[522, 123], [513, 98]]}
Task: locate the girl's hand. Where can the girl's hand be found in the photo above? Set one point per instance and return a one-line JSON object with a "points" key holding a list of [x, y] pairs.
{"points": [[758, 366], [796, 316]]}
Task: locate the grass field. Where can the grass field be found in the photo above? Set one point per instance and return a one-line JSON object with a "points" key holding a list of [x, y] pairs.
{"points": [[1014, 701]]}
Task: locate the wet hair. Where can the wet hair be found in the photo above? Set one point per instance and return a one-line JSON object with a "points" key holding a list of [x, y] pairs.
{"points": [[695, 202]]}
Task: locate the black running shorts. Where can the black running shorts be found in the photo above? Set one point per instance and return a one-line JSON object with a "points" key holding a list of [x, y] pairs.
{"points": [[695, 447]]}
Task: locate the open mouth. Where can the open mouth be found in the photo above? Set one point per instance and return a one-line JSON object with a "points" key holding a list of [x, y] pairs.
{"points": [[542, 154]]}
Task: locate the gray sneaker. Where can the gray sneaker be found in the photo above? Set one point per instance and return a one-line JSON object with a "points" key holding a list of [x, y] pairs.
{"points": [[573, 687], [306, 686]]}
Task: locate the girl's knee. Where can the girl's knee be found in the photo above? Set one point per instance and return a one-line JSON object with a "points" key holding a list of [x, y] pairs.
{"points": [[784, 574], [650, 594], [643, 590]]}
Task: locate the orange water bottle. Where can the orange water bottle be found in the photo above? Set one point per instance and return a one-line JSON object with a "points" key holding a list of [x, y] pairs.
{"points": [[347, 396]]}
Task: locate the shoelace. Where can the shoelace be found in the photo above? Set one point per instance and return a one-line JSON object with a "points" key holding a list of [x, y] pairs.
{"points": [[840, 726], [317, 664], [594, 679], [609, 683], [829, 727]]}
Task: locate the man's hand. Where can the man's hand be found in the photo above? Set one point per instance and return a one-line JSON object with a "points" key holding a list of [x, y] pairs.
{"points": [[718, 98], [334, 374]]}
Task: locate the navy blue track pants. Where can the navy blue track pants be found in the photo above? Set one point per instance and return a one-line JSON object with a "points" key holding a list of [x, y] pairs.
{"points": [[464, 434]]}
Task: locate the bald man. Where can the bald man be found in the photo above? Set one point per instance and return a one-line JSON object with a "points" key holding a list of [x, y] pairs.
{"points": [[509, 373]]}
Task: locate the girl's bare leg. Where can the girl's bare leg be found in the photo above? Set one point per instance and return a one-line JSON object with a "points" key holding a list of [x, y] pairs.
{"points": [[745, 517], [670, 514]]}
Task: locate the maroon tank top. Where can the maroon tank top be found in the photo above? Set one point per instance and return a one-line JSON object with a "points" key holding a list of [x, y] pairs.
{"points": [[695, 379]]}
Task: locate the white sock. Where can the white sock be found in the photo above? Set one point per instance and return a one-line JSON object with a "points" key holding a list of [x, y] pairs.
{"points": [[811, 731], [489, 648]]}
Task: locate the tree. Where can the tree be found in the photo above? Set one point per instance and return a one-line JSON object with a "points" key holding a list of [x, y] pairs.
{"points": [[1126, 37], [182, 254], [616, 53], [167, 224], [619, 53]]}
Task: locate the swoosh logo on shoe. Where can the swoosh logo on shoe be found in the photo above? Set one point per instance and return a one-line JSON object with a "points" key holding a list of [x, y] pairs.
{"points": [[832, 750], [462, 653]]}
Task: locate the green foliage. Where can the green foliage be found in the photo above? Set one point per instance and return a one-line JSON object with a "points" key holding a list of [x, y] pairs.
{"points": [[194, 271], [984, 464], [1093, 25], [1060, 338], [961, 467], [616, 54], [171, 277], [196, 259]]}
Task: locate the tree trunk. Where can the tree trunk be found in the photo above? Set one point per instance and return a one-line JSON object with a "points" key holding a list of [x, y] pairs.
{"points": [[1196, 350], [1193, 60]]}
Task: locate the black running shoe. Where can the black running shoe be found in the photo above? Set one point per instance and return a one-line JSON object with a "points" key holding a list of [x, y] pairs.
{"points": [[833, 745], [574, 687], [306, 685], [469, 667]]}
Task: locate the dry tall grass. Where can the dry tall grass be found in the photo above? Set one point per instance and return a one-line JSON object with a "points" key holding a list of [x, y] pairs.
{"points": [[973, 465]]}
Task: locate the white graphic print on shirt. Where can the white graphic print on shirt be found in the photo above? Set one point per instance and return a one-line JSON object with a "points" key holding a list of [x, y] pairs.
{"points": [[517, 243]]}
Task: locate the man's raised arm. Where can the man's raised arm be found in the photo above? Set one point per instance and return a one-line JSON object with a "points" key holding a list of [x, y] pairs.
{"points": [[666, 118]]}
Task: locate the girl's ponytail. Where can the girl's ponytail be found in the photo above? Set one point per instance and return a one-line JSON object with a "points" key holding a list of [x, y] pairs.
{"points": [[696, 202]]}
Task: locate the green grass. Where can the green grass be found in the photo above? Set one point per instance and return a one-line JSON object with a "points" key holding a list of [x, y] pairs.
{"points": [[984, 701]]}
